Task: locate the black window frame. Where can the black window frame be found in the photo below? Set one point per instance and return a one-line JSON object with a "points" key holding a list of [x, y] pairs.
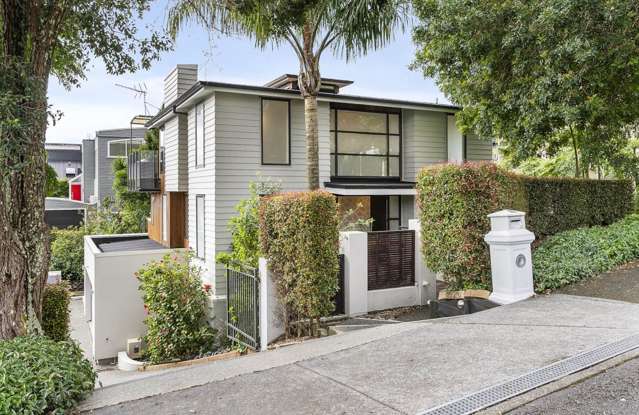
{"points": [[288, 101], [334, 132]]}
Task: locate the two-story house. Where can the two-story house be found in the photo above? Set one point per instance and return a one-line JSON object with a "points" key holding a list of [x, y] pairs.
{"points": [[216, 136]]}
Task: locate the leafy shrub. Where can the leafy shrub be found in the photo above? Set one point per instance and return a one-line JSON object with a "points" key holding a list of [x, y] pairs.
{"points": [[299, 236], [55, 187], [582, 253], [55, 311], [42, 376], [454, 202], [177, 310], [67, 253], [559, 204], [244, 227]]}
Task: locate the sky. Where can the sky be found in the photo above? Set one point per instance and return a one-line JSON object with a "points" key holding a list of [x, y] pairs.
{"points": [[99, 104]]}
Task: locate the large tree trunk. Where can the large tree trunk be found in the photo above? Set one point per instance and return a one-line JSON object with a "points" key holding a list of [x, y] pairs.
{"points": [[312, 142], [24, 247]]}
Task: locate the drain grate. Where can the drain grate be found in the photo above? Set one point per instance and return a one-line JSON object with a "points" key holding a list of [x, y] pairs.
{"points": [[498, 393]]}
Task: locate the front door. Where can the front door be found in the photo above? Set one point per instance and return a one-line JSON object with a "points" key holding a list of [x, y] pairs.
{"points": [[379, 212]]}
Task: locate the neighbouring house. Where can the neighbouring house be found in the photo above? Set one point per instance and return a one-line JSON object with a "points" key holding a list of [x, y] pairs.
{"points": [[64, 213], [216, 136], [65, 159], [97, 160]]}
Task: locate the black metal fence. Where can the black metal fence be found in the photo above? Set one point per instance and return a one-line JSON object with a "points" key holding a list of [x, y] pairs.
{"points": [[391, 259], [143, 169], [243, 312], [340, 305]]}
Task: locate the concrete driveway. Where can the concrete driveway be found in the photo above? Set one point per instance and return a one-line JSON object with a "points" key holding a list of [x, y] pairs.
{"points": [[398, 368]]}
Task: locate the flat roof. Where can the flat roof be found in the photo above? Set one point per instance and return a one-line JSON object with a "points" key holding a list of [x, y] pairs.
{"points": [[127, 243]]}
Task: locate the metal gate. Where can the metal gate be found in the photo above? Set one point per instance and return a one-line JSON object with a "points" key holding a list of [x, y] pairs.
{"points": [[340, 306], [391, 259], [243, 311]]}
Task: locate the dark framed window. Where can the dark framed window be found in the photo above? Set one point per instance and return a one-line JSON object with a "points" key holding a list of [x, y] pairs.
{"points": [[200, 217], [199, 135], [366, 143], [275, 127]]}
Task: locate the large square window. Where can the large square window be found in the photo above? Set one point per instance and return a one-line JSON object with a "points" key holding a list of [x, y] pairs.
{"points": [[276, 127], [365, 143]]}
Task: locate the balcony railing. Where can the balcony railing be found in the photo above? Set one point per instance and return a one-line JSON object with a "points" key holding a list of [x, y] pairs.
{"points": [[144, 171]]}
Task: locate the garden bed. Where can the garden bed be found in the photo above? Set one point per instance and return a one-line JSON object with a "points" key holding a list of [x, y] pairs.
{"points": [[621, 284]]}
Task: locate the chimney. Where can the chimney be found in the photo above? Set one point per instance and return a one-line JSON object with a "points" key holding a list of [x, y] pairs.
{"points": [[178, 81]]}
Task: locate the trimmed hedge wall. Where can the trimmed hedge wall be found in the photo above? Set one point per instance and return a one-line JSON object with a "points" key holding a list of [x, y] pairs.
{"points": [[42, 376], [586, 252], [299, 236], [455, 200], [559, 204], [55, 311]]}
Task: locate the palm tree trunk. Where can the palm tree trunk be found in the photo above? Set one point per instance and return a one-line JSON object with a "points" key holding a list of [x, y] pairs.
{"points": [[312, 142]]}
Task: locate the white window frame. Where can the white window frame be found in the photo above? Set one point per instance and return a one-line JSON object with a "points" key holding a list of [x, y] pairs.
{"points": [[200, 251], [126, 142], [200, 151]]}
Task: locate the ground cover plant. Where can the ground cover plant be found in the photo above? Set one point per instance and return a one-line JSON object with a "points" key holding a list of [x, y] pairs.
{"points": [[41, 376], [573, 255]]}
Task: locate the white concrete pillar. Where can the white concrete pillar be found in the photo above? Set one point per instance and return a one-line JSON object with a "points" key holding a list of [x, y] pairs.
{"points": [[354, 246], [425, 278], [455, 141], [510, 257], [271, 326]]}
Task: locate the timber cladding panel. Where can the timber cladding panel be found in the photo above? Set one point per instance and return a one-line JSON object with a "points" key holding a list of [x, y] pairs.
{"points": [[391, 259]]}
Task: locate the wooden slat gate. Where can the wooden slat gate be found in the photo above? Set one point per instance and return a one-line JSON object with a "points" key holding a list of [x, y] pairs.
{"points": [[391, 259], [243, 312]]}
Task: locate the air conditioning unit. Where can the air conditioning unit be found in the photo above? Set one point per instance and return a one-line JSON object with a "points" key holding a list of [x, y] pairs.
{"points": [[134, 348]]}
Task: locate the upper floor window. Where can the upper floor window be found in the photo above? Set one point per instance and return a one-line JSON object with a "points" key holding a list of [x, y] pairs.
{"points": [[365, 143], [199, 135], [122, 148], [276, 131]]}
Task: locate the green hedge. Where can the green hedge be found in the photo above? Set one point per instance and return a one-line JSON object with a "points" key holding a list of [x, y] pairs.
{"points": [[55, 311], [299, 236], [42, 376], [455, 200], [67, 253], [176, 304], [559, 204]]}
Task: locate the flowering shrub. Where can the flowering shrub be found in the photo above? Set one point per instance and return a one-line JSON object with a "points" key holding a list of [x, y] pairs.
{"points": [[176, 305], [299, 236]]}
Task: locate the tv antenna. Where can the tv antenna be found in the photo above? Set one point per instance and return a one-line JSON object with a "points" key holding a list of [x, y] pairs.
{"points": [[140, 90]]}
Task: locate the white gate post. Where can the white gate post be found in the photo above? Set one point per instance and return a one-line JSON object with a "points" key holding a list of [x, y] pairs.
{"points": [[426, 279], [271, 326], [354, 246]]}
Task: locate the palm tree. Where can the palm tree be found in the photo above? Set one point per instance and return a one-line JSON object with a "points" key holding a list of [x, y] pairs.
{"points": [[349, 28]]}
